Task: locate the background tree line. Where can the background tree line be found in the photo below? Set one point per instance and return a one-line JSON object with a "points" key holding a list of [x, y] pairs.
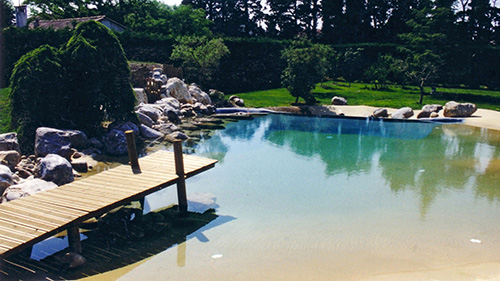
{"points": [[419, 42]]}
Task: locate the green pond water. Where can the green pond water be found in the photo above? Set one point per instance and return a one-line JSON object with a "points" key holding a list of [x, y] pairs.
{"points": [[339, 199]]}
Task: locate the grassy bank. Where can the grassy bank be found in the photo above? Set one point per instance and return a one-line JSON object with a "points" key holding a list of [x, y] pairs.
{"points": [[366, 94], [4, 111]]}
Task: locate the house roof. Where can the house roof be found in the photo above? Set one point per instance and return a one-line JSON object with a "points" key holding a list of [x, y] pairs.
{"points": [[68, 23]]}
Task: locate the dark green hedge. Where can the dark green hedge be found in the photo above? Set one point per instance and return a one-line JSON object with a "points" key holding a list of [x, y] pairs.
{"points": [[255, 63], [19, 41]]}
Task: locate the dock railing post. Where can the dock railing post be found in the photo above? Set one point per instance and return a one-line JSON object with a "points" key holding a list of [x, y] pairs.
{"points": [[132, 151], [181, 182]]}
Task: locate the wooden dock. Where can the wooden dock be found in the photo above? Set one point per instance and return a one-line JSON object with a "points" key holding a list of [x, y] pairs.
{"points": [[29, 220]]}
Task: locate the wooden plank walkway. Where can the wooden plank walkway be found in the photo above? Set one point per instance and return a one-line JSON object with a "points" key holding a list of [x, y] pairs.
{"points": [[29, 220]]}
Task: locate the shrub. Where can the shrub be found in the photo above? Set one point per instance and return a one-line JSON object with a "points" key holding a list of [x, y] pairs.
{"points": [[305, 67], [75, 87]]}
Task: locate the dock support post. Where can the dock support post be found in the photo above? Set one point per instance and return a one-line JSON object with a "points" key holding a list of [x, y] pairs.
{"points": [[75, 245], [132, 151], [181, 182]]}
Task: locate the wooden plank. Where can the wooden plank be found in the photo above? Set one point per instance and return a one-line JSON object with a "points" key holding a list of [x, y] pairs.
{"points": [[114, 188], [105, 180], [8, 243], [143, 183], [87, 198], [33, 212], [82, 190], [66, 203], [19, 232], [71, 200], [27, 221], [47, 207]]}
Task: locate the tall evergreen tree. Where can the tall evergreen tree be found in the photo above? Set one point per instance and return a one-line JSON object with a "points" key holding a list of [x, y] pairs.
{"points": [[282, 20]]}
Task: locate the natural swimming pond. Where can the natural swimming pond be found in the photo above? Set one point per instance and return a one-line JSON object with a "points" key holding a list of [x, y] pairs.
{"points": [[340, 199]]}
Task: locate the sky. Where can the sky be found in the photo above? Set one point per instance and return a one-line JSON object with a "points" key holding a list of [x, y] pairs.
{"points": [[171, 2]]}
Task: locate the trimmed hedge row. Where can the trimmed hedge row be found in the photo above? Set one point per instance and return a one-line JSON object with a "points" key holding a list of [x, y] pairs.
{"points": [[255, 63]]}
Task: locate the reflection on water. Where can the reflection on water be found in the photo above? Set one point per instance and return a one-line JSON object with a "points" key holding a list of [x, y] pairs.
{"points": [[422, 157], [336, 199]]}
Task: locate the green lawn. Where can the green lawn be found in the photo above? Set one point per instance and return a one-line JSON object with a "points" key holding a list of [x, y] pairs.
{"points": [[4, 111], [365, 94]]}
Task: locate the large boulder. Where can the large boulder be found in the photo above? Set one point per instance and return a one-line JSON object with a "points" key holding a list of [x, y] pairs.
{"points": [[380, 113], [115, 141], [428, 109], [26, 188], [177, 89], [149, 133], [10, 158], [339, 101], [6, 179], [61, 142], [236, 101], [144, 119], [172, 114], [141, 95], [166, 128], [199, 95], [403, 113], [455, 109], [172, 102], [9, 141], [56, 169], [151, 111]]}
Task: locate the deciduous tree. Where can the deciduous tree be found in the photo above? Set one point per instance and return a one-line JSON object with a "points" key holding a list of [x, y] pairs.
{"points": [[305, 66]]}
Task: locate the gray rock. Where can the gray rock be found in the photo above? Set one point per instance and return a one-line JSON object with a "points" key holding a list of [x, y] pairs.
{"points": [[124, 126], [6, 179], [61, 142], [455, 109], [403, 113], [26, 188], [152, 112], [177, 136], [166, 128], [144, 119], [172, 114], [80, 166], [339, 101], [188, 112], [236, 101], [26, 167], [96, 143], [177, 89], [149, 133], [172, 102], [434, 115], [9, 141], [56, 169], [141, 95], [199, 95], [428, 109], [71, 260], [380, 113], [115, 142], [10, 158], [432, 108]]}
